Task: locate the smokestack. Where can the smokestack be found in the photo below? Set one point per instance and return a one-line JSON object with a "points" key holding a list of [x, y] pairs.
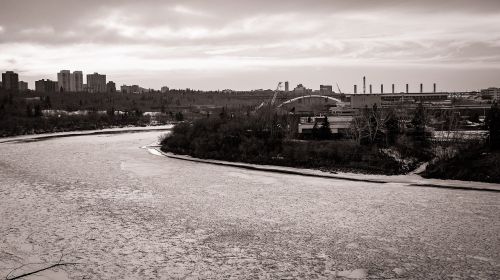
{"points": [[421, 88], [392, 88], [381, 88], [364, 84], [370, 88], [434, 87], [407, 88], [355, 88]]}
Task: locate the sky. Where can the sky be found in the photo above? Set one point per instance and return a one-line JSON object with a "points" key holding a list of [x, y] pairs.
{"points": [[243, 45]]}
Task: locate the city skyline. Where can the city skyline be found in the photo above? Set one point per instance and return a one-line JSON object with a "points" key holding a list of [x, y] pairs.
{"points": [[243, 46]]}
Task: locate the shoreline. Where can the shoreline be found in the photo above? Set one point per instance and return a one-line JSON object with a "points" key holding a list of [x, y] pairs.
{"points": [[111, 130], [411, 180]]}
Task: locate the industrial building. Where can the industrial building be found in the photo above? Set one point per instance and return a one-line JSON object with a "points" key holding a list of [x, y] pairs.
{"points": [[359, 101], [325, 89], [338, 124], [491, 93]]}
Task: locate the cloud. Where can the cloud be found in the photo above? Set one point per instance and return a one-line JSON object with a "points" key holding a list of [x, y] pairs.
{"points": [[235, 36]]}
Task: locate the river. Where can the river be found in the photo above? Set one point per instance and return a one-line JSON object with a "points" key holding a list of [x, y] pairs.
{"points": [[116, 211]]}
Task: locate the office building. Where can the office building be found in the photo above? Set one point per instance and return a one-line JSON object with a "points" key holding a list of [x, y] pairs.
{"points": [[64, 81], [10, 80], [76, 81], [96, 83], [46, 86], [22, 86]]}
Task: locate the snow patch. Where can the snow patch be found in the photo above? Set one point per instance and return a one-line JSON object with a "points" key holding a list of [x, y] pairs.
{"points": [[154, 152], [353, 274]]}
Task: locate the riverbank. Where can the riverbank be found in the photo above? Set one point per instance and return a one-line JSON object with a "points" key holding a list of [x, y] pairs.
{"points": [[475, 163], [113, 130], [413, 180]]}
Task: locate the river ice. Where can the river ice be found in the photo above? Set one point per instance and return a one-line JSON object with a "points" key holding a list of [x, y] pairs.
{"points": [[120, 212]]}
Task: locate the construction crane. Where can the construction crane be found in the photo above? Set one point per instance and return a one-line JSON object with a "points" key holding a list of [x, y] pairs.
{"points": [[339, 88], [273, 99], [278, 88]]}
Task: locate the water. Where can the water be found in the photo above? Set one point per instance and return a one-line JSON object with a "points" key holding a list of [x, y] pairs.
{"points": [[120, 212]]}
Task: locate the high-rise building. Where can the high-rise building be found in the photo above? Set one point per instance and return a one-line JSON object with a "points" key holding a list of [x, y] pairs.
{"points": [[46, 86], [76, 81], [22, 86], [64, 81], [111, 87], [10, 81], [287, 86], [96, 83]]}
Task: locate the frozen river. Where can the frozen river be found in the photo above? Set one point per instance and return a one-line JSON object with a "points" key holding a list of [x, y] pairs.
{"points": [[120, 212]]}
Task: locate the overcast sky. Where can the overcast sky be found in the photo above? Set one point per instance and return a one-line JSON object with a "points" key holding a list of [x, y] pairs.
{"points": [[218, 44]]}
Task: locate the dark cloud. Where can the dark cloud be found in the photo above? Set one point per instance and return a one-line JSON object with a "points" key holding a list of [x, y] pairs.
{"points": [[72, 20]]}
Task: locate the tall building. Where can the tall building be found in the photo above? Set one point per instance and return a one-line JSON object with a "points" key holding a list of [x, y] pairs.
{"points": [[76, 81], [64, 81], [287, 86], [111, 87], [22, 86], [10, 81], [46, 86], [96, 83]]}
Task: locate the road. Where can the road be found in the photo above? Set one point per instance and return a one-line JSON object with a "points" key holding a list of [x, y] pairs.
{"points": [[119, 212]]}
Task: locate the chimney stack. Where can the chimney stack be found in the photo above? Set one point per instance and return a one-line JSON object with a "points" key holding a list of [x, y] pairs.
{"points": [[434, 87], [355, 88], [407, 88], [421, 88], [370, 88], [364, 84], [393, 88], [381, 88]]}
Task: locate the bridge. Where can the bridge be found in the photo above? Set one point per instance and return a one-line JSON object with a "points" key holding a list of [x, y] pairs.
{"points": [[312, 96]]}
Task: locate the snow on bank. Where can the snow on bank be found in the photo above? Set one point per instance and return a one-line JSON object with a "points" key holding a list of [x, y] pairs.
{"points": [[87, 132], [409, 180]]}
